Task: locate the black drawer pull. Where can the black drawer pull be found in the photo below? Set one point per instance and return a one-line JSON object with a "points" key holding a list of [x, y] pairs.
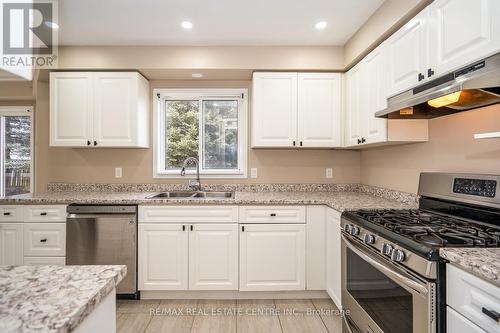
{"points": [[191, 227], [6, 213], [43, 214], [43, 240], [243, 228], [183, 228], [273, 214], [492, 314]]}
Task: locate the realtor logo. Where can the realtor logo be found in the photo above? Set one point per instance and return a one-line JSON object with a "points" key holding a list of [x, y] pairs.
{"points": [[29, 36]]}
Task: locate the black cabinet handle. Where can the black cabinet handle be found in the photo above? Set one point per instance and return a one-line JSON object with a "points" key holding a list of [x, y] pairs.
{"points": [[191, 227], [359, 141], [43, 240], [492, 314], [430, 72], [183, 228], [294, 143], [420, 77], [273, 214], [363, 140], [301, 143], [43, 214], [6, 213], [243, 228], [88, 143], [95, 143]]}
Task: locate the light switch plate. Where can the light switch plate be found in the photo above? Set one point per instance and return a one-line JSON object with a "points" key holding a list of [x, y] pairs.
{"points": [[329, 173], [118, 172], [253, 172]]}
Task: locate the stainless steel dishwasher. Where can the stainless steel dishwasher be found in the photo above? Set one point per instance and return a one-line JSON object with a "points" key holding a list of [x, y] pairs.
{"points": [[104, 235]]}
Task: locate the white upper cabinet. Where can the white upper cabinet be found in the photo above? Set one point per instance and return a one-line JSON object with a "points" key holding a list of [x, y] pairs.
{"points": [[296, 110], [462, 31], [71, 96], [274, 116], [407, 54], [120, 110], [353, 117], [319, 108], [99, 109]]}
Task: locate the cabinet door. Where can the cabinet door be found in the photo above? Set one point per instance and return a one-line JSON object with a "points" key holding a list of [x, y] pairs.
{"points": [[11, 244], [213, 257], [333, 257], [319, 105], [457, 323], [462, 31], [71, 97], [272, 257], [407, 50], [115, 109], [274, 115], [163, 257], [374, 79], [353, 115]]}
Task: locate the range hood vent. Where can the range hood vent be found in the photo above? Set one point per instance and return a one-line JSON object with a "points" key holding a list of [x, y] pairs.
{"points": [[470, 87]]}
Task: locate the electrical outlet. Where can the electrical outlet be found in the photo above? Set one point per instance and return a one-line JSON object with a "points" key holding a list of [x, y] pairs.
{"points": [[329, 173], [253, 172], [118, 172]]}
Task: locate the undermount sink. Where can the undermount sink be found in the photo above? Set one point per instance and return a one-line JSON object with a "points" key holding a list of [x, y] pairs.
{"points": [[192, 195]]}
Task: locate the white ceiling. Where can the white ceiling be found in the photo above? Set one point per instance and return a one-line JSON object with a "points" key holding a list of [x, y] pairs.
{"points": [[215, 22]]}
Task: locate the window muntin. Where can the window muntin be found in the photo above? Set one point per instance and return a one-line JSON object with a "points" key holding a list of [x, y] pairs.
{"points": [[15, 151], [220, 141]]}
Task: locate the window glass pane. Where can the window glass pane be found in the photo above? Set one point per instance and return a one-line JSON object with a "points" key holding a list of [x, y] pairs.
{"points": [[16, 135], [182, 127], [220, 126]]}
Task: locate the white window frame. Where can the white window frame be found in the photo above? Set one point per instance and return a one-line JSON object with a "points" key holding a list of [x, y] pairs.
{"points": [[160, 96], [19, 111]]}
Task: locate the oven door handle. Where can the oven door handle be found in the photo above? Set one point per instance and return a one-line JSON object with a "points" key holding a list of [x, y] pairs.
{"points": [[408, 282]]}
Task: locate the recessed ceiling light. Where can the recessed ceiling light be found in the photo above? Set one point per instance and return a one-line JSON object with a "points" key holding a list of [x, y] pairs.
{"points": [[52, 25], [321, 25], [197, 75], [186, 25]]}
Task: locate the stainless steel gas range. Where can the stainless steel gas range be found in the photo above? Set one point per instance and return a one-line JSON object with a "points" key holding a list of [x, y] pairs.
{"points": [[393, 280]]}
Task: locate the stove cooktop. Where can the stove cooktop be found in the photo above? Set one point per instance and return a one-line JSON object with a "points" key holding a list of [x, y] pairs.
{"points": [[431, 229]]}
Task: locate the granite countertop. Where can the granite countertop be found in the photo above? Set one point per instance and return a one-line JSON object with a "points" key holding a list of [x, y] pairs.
{"points": [[482, 262], [348, 200], [52, 299]]}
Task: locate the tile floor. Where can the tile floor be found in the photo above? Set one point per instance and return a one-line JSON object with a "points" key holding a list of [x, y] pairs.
{"points": [[231, 316]]}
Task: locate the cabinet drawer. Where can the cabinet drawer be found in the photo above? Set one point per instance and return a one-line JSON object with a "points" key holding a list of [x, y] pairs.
{"points": [[456, 323], [198, 214], [44, 239], [11, 213], [39, 213], [469, 295], [272, 214], [44, 260]]}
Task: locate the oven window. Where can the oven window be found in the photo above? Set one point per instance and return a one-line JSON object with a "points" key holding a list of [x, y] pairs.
{"points": [[389, 305]]}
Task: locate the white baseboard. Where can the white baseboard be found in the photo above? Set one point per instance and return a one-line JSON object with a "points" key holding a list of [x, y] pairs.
{"points": [[196, 294]]}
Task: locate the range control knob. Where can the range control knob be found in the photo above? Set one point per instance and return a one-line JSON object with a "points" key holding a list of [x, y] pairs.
{"points": [[369, 239], [354, 230], [398, 255], [387, 249], [347, 228]]}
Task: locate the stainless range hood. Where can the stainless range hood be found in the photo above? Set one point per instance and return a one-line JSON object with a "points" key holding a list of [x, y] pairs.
{"points": [[470, 87]]}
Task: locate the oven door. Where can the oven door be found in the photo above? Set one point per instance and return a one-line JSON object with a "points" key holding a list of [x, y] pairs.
{"points": [[381, 296]]}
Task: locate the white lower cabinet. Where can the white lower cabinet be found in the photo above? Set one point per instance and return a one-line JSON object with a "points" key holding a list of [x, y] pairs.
{"points": [[163, 256], [213, 256], [44, 239], [272, 257], [456, 323], [11, 243], [333, 256]]}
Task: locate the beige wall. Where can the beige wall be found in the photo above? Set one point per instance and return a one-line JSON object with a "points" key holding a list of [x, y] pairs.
{"points": [[391, 15], [97, 165], [202, 57], [451, 148]]}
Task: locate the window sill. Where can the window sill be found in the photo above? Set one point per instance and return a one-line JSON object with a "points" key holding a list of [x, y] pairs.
{"points": [[202, 176]]}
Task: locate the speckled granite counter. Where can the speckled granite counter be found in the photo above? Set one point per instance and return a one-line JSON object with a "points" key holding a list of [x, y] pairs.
{"points": [[52, 298], [482, 262], [338, 200]]}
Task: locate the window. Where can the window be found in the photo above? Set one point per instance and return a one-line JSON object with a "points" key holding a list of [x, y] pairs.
{"points": [[15, 150], [209, 124]]}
